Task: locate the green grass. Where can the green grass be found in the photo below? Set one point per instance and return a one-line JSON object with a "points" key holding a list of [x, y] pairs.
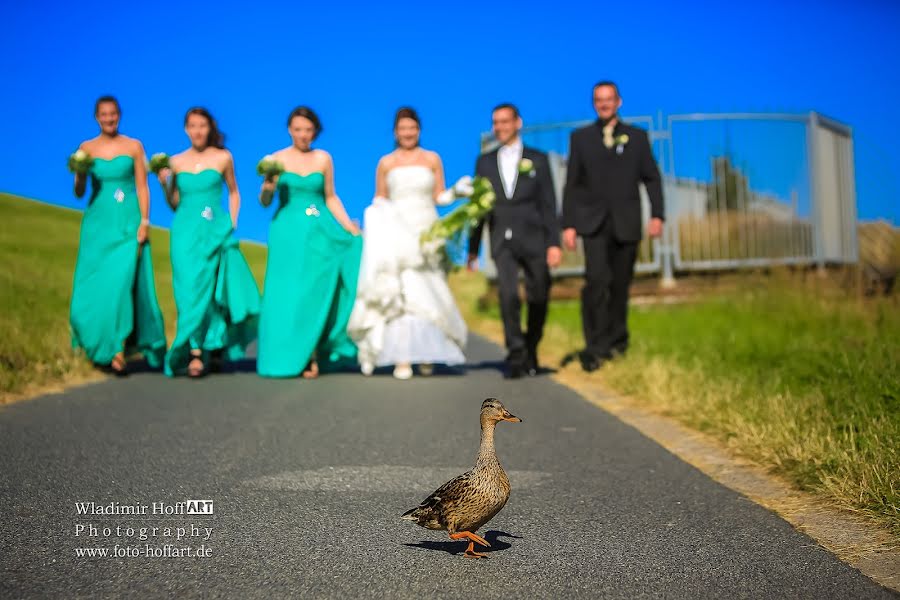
{"points": [[38, 243], [804, 379]]}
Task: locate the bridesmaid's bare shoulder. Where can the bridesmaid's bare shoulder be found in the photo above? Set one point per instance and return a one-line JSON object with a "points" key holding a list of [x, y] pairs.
{"points": [[176, 160], [89, 145], [225, 156], [323, 157], [134, 145]]}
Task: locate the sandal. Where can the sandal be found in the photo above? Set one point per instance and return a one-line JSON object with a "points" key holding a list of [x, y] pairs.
{"points": [[196, 368], [118, 365], [311, 371]]}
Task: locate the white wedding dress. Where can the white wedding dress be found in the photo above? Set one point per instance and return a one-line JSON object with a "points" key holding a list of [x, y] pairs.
{"points": [[404, 312]]}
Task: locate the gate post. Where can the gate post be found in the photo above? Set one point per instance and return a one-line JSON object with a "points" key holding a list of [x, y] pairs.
{"points": [[664, 246]]}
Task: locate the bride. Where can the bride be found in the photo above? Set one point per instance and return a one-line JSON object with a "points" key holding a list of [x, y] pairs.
{"points": [[404, 313]]}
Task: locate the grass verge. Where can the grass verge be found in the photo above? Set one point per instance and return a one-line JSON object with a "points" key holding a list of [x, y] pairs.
{"points": [[39, 244], [799, 377]]}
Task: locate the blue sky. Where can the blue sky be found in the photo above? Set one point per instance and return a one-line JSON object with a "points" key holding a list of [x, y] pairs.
{"points": [[355, 63]]}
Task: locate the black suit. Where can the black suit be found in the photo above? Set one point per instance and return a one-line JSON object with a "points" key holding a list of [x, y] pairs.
{"points": [[521, 229], [602, 203]]}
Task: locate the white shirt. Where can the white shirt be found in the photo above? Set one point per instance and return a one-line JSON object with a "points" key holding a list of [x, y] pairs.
{"points": [[509, 157]]}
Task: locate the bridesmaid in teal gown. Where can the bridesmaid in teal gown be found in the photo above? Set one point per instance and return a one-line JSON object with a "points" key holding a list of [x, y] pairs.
{"points": [[215, 293], [313, 263], [114, 309]]}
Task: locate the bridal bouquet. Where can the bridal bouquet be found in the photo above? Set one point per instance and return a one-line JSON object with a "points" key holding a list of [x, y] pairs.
{"points": [[481, 201], [158, 162], [268, 167], [80, 162]]}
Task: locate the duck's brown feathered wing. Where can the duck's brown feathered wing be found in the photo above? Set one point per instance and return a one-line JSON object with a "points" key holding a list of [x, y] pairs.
{"points": [[431, 513]]}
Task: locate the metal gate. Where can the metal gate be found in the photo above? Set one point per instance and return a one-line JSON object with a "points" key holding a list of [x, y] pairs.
{"points": [[742, 190]]}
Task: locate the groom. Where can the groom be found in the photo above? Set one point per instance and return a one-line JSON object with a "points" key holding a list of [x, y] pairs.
{"points": [[524, 234], [607, 162]]}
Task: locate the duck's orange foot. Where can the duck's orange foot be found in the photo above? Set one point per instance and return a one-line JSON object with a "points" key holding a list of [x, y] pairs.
{"points": [[470, 552], [468, 535], [473, 539]]}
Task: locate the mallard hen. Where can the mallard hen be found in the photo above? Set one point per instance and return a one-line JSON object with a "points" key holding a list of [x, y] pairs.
{"points": [[467, 502]]}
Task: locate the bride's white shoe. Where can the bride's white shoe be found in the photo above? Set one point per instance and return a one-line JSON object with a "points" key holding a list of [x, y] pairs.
{"points": [[367, 368], [426, 369], [403, 372]]}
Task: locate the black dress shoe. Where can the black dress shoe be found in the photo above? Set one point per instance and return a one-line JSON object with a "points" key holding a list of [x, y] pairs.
{"points": [[618, 352], [514, 371], [589, 362], [531, 363]]}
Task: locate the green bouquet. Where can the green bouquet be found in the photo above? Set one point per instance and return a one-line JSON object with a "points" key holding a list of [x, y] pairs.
{"points": [[481, 202], [80, 162], [268, 167], [158, 162]]}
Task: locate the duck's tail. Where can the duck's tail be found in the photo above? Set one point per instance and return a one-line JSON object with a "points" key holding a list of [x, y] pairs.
{"points": [[411, 514]]}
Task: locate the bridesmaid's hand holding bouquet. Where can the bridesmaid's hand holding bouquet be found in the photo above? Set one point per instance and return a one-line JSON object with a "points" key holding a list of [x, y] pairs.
{"points": [[269, 168], [159, 165]]}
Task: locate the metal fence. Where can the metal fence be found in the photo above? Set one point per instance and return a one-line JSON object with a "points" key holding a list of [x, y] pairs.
{"points": [[742, 190]]}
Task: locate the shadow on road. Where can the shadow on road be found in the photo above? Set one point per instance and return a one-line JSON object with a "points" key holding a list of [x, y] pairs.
{"points": [[452, 547], [500, 366]]}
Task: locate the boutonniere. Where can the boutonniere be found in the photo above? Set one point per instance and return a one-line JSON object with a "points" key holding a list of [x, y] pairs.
{"points": [[526, 167], [621, 140]]}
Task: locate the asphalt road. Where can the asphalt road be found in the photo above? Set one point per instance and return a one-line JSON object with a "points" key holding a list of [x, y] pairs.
{"points": [[308, 480]]}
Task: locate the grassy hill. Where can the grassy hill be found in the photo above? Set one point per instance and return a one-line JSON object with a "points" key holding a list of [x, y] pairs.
{"points": [[39, 243]]}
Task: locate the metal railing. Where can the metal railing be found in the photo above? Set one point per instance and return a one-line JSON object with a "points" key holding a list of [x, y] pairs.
{"points": [[742, 190]]}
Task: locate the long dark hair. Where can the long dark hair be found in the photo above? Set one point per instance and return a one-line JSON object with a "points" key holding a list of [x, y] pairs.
{"points": [[216, 138], [406, 112]]}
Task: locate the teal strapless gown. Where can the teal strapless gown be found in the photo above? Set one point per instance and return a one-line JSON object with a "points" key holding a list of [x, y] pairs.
{"points": [[310, 285], [114, 294], [215, 293]]}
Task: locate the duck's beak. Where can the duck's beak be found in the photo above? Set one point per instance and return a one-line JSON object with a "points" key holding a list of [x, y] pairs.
{"points": [[512, 418]]}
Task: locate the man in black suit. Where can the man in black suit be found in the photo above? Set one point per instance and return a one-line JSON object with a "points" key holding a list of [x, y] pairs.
{"points": [[601, 203], [524, 234]]}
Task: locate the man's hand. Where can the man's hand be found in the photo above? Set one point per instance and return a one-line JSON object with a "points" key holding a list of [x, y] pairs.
{"points": [[554, 256], [472, 262], [655, 227], [569, 238]]}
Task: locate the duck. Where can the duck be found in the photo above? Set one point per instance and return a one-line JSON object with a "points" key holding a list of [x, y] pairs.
{"points": [[468, 501]]}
